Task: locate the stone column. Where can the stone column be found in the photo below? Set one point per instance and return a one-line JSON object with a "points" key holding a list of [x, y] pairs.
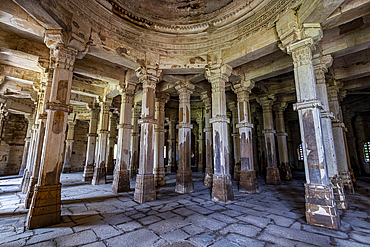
{"points": [[236, 140], [101, 157], [113, 121], [91, 144], [27, 141], [248, 179], [145, 187], [208, 178], [46, 200], [171, 143], [135, 136], [159, 132], [320, 205], [200, 142], [261, 143], [222, 188], [195, 131], [184, 181], [121, 177], [285, 172], [321, 63], [339, 141], [69, 146], [272, 171]]}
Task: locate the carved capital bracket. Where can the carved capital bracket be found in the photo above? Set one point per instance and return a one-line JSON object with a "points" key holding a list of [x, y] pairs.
{"points": [[218, 73]]}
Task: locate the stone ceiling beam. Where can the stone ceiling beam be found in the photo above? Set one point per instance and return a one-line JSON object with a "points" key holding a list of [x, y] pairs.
{"points": [[26, 76], [19, 105], [81, 87], [19, 59], [353, 71], [317, 11], [79, 99]]}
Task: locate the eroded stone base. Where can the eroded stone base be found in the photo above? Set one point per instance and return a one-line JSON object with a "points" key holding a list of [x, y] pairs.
{"points": [[321, 209], [338, 190], [171, 168], [222, 190], [145, 189], [160, 177], [184, 182], [45, 206], [237, 171], [273, 176], [121, 181], [248, 182], [88, 173], [99, 176], [208, 179], [31, 187], [347, 181], [285, 172]]}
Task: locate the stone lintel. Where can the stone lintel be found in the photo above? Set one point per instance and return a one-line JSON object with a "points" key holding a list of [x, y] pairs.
{"points": [[307, 104], [219, 119]]}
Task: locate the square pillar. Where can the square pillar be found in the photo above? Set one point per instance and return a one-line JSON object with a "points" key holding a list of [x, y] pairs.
{"points": [[91, 143], [208, 177]]}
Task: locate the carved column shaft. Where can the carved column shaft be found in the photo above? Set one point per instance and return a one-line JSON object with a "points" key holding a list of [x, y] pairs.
{"points": [[208, 178], [171, 166], [69, 146], [91, 144], [27, 140], [236, 140], [112, 141], [200, 144], [184, 181], [135, 136]]}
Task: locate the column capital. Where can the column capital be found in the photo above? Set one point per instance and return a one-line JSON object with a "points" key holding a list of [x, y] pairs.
{"points": [[233, 108], [184, 87], [126, 88], [218, 73], [321, 64], [279, 107], [64, 57], [267, 102], [149, 77], [207, 100], [243, 86]]}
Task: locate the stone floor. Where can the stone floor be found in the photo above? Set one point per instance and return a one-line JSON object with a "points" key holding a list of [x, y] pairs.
{"points": [[94, 216]]}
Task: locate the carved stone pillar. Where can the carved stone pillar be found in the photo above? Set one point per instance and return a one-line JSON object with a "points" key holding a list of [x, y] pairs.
{"points": [[222, 188], [195, 131], [159, 172], [272, 171], [200, 142], [248, 179], [135, 137], [184, 181], [145, 187], [320, 67], [28, 171], [121, 177], [69, 146], [101, 157], [112, 141], [91, 144], [339, 140], [236, 140], [261, 143], [321, 209], [285, 172], [45, 205], [171, 166], [208, 178], [27, 140]]}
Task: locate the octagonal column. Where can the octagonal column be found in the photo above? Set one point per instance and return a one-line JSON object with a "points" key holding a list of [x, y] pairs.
{"points": [[99, 176], [184, 181], [320, 204], [200, 142], [285, 172], [159, 173], [208, 178], [69, 146], [45, 205], [222, 190], [339, 139], [27, 140], [145, 187], [236, 140], [248, 179], [121, 176], [112, 141], [272, 171], [135, 137], [91, 144]]}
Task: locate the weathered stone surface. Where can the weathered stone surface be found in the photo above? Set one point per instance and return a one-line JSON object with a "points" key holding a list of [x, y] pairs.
{"points": [[134, 238]]}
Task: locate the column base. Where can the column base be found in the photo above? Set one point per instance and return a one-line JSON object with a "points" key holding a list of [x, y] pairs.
{"points": [[145, 189], [237, 171], [273, 176], [45, 206], [99, 176], [338, 190], [222, 189], [88, 173], [133, 173], [200, 168], [110, 169], [31, 187], [26, 182], [285, 172], [208, 179], [121, 181], [184, 182], [248, 182], [171, 168], [347, 181], [66, 169], [320, 206], [160, 177]]}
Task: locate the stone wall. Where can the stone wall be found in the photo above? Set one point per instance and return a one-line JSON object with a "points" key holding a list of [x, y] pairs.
{"points": [[12, 145], [79, 146]]}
